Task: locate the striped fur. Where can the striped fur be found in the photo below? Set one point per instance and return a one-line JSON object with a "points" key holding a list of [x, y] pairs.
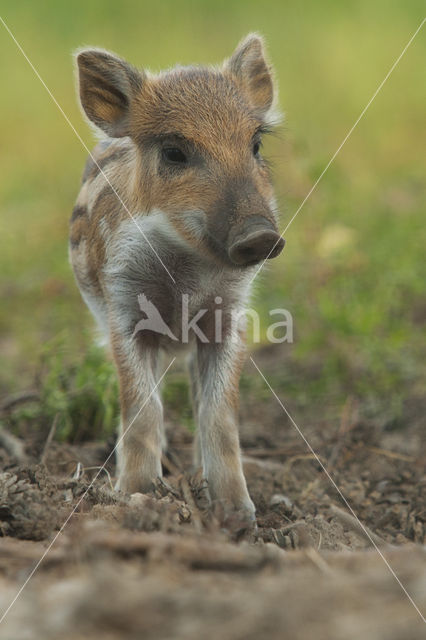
{"points": [[134, 200]]}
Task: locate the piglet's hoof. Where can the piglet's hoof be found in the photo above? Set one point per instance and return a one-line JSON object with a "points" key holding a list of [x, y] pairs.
{"points": [[134, 484], [240, 524]]}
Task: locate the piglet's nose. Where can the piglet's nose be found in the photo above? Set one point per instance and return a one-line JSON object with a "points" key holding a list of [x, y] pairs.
{"points": [[255, 246]]}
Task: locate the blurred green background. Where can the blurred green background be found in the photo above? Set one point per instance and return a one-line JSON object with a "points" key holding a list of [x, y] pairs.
{"points": [[353, 271]]}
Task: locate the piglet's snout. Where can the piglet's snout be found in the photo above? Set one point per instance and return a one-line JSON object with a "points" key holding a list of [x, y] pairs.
{"points": [[255, 241]]}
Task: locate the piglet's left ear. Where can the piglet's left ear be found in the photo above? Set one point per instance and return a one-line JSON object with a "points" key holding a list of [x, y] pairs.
{"points": [[249, 65]]}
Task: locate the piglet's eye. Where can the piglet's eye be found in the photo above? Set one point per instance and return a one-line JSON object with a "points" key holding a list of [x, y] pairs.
{"points": [[174, 155], [256, 149]]}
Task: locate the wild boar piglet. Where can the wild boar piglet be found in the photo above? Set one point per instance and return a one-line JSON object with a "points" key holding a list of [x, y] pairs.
{"points": [[175, 210]]}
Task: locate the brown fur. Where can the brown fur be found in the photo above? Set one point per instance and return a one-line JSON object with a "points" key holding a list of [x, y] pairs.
{"points": [[193, 210]]}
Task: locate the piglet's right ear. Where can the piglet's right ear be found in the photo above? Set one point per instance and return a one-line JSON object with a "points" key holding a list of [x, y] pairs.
{"points": [[107, 85]]}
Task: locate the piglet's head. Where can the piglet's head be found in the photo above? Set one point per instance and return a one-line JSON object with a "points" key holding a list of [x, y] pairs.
{"points": [[198, 134]]}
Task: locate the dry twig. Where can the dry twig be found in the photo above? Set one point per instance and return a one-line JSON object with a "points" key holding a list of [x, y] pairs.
{"points": [[391, 454], [362, 530], [49, 439], [13, 445], [18, 398]]}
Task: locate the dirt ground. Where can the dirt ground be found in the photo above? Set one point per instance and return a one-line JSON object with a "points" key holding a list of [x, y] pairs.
{"points": [[161, 566]]}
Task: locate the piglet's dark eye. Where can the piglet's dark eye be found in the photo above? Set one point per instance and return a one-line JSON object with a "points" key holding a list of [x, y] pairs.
{"points": [[256, 149], [175, 155]]}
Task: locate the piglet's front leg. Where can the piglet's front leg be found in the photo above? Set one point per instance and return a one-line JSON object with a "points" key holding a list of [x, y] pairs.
{"points": [[141, 437], [219, 369]]}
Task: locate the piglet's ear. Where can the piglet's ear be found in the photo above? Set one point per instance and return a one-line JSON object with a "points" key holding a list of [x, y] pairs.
{"points": [[107, 86], [249, 65]]}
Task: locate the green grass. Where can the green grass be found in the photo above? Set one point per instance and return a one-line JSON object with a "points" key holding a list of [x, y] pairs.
{"points": [[352, 273], [79, 394]]}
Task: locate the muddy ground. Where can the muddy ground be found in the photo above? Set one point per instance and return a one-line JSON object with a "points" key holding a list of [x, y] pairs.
{"points": [[162, 566]]}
